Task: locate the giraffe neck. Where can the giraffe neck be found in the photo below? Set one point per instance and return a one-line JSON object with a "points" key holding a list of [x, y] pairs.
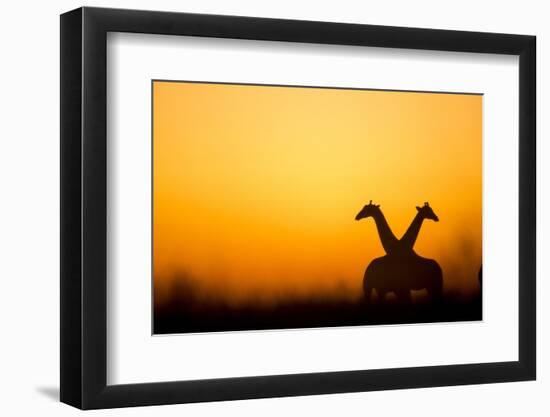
{"points": [[387, 238], [409, 238]]}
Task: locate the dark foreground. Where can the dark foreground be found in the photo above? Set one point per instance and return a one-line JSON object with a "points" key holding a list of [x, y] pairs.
{"points": [[186, 316]]}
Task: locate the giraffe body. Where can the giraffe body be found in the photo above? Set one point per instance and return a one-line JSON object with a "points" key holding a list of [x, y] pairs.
{"points": [[401, 274]]}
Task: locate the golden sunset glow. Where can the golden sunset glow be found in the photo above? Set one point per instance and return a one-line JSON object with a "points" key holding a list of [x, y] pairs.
{"points": [[256, 187]]}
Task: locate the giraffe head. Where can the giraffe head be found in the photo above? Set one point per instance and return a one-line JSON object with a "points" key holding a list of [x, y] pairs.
{"points": [[426, 212], [368, 211]]}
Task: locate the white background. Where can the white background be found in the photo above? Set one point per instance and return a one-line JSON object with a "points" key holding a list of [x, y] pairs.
{"points": [[29, 168], [134, 356]]}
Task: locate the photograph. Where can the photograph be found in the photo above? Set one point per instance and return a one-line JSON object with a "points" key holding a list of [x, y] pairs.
{"points": [[290, 207], [266, 205]]}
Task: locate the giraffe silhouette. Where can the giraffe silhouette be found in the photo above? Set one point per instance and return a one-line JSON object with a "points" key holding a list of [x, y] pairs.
{"points": [[401, 269], [388, 240]]}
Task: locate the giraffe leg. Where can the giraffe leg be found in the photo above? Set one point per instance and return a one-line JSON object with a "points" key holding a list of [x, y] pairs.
{"points": [[368, 293], [381, 295], [404, 297]]}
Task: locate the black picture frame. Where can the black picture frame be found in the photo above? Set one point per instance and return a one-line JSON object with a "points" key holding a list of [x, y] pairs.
{"points": [[84, 207]]}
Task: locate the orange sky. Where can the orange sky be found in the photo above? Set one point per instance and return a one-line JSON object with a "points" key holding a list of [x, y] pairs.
{"points": [[256, 187]]}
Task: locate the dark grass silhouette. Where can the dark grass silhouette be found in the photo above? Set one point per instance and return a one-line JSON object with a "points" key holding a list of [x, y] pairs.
{"points": [[191, 309], [184, 316]]}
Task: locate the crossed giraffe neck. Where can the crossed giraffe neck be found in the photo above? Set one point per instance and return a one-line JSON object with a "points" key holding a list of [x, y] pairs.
{"points": [[390, 243]]}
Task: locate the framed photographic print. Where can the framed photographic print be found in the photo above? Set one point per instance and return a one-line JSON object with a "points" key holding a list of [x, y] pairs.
{"points": [[257, 207]]}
